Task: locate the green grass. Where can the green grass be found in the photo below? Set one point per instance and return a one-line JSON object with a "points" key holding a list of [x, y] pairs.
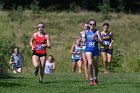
{"points": [[71, 83], [64, 27]]}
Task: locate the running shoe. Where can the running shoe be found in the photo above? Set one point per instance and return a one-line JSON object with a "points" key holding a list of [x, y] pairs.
{"points": [[92, 83], [40, 81], [36, 72], [106, 72]]}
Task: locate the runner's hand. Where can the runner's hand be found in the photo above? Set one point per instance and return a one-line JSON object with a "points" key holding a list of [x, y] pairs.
{"points": [[43, 45], [33, 48], [110, 46], [95, 37]]}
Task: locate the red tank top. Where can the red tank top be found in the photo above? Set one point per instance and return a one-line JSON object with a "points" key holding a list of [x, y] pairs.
{"points": [[38, 41]]}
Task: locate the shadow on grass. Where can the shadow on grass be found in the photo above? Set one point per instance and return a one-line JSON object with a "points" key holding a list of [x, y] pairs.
{"points": [[64, 81], [10, 80], [5, 76], [9, 84], [12, 76]]}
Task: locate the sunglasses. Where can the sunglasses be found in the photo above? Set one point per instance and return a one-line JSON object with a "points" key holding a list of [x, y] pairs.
{"points": [[92, 24], [40, 27]]}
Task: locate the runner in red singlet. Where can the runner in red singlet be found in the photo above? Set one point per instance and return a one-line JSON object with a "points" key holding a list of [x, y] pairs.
{"points": [[39, 42]]}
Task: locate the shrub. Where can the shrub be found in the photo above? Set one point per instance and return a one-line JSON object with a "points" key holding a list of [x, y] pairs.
{"points": [[17, 15], [24, 39], [74, 7], [105, 9], [116, 61], [6, 48], [35, 9], [134, 64]]}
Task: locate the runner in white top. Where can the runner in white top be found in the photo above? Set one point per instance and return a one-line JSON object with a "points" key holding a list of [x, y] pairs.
{"points": [[83, 36], [50, 65], [76, 51]]}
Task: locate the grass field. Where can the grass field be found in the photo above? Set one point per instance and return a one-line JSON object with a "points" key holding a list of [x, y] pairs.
{"points": [[63, 28], [71, 83]]}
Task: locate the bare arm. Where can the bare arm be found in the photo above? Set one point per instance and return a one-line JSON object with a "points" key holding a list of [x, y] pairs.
{"points": [[83, 42], [112, 41], [11, 61], [99, 39], [31, 41], [48, 42], [72, 49], [54, 66]]}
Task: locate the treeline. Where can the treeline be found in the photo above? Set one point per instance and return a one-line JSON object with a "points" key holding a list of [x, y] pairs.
{"points": [[115, 5]]}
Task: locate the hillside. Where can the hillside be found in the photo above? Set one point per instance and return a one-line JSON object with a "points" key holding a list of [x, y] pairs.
{"points": [[64, 27]]}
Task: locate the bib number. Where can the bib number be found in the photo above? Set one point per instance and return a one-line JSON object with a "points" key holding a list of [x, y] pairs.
{"points": [[39, 47], [91, 44], [106, 43]]}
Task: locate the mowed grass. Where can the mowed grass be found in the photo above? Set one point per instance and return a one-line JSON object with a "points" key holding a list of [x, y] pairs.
{"points": [[71, 83]]}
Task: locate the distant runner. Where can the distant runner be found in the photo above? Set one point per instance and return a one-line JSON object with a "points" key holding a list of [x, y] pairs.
{"points": [[76, 51], [82, 36], [16, 61], [50, 65], [107, 47]]}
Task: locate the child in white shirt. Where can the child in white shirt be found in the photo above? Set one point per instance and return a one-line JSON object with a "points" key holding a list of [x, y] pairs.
{"points": [[50, 65]]}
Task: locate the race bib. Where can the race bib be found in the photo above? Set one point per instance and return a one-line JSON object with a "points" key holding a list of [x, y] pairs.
{"points": [[39, 47], [91, 44], [77, 56], [106, 43], [18, 63]]}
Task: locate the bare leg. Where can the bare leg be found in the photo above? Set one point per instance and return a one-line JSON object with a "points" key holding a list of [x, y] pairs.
{"points": [[35, 60], [73, 65], [19, 70], [79, 66], [109, 58], [14, 69], [105, 62], [15, 72], [42, 66], [96, 66], [85, 65], [89, 59]]}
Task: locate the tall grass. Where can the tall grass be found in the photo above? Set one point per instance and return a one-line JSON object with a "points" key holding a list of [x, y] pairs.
{"points": [[64, 27]]}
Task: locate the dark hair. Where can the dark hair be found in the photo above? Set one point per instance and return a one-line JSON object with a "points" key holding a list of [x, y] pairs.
{"points": [[15, 48], [51, 57], [93, 20], [106, 24], [86, 22]]}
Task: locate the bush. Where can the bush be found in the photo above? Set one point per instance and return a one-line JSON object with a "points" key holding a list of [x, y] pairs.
{"points": [[105, 9], [24, 39], [116, 61], [17, 15], [6, 48], [74, 7], [35, 9], [134, 64]]}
